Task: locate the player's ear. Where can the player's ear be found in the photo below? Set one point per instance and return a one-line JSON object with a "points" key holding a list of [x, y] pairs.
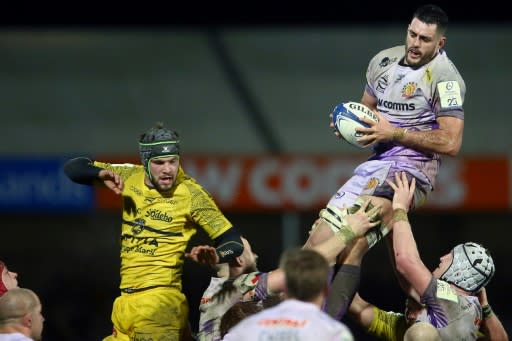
{"points": [[238, 261], [441, 43], [26, 320]]}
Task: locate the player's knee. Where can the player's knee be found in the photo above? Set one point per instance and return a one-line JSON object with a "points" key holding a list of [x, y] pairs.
{"points": [[319, 232]]}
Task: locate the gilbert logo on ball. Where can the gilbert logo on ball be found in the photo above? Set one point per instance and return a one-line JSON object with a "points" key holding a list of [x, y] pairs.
{"points": [[347, 116]]}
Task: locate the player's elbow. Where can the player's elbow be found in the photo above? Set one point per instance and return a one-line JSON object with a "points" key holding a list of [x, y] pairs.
{"points": [[453, 150], [405, 263]]}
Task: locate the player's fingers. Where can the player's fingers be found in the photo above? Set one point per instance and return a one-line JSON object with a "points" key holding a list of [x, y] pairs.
{"points": [[405, 181], [364, 205], [375, 223], [374, 214], [391, 184], [413, 185]]}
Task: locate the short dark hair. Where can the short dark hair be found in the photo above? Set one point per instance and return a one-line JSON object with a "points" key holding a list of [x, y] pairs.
{"points": [[432, 15]]}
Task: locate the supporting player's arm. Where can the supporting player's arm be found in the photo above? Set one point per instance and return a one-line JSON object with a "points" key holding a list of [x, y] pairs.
{"points": [[346, 227], [385, 325], [491, 325], [406, 254]]}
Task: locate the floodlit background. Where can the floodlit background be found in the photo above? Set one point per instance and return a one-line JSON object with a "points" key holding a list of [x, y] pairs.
{"points": [[248, 94]]}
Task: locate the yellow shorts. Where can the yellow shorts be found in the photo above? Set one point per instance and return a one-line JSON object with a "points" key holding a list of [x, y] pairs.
{"points": [[155, 314]]}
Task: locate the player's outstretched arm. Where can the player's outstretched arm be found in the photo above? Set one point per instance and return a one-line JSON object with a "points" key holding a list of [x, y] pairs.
{"points": [[348, 228], [83, 171], [407, 258], [491, 325]]}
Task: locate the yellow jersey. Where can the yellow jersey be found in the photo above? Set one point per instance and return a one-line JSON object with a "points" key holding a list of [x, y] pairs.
{"points": [[156, 227]]}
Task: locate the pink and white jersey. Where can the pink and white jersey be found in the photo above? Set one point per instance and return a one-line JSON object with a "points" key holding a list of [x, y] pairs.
{"points": [[251, 286], [414, 98], [290, 320]]}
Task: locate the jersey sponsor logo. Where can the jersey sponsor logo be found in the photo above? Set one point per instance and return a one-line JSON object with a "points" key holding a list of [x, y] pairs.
{"points": [[428, 75], [144, 240], [283, 322], [386, 61], [148, 200], [137, 249], [399, 78], [396, 106], [382, 83], [339, 195], [136, 190], [206, 300], [449, 93], [409, 89], [158, 215], [225, 253], [138, 226], [372, 183]]}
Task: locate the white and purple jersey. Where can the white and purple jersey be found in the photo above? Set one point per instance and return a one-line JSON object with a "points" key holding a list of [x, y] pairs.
{"points": [[290, 320], [14, 337], [457, 317], [411, 98], [252, 286]]}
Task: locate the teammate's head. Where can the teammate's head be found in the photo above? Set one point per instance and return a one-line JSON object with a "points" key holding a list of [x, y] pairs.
{"points": [[432, 15], [249, 258], [471, 268], [423, 331], [306, 273], [8, 279], [158, 142], [237, 313], [413, 310], [20, 310], [425, 35]]}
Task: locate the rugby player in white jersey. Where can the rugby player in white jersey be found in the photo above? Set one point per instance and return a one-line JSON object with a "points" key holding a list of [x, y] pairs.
{"points": [[418, 95], [299, 316], [243, 282]]}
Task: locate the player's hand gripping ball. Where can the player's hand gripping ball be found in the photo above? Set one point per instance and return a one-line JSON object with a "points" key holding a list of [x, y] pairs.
{"points": [[347, 116]]}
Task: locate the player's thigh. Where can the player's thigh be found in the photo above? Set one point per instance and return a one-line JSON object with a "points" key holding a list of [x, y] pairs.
{"points": [[156, 314]]}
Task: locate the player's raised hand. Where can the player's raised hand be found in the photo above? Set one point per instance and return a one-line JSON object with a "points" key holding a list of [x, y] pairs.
{"points": [[364, 218], [111, 180], [403, 191], [203, 254]]}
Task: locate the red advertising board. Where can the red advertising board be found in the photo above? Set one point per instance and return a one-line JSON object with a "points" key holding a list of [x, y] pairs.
{"points": [[306, 182]]}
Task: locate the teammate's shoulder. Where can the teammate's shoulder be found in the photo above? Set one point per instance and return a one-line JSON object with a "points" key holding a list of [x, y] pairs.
{"points": [[443, 61], [389, 55], [391, 51]]}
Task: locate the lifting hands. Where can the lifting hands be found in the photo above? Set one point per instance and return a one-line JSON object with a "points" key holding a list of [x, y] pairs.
{"points": [[403, 191], [366, 217]]}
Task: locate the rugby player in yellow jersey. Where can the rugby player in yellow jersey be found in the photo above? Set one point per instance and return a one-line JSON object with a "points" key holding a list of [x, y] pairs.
{"points": [[162, 209]]}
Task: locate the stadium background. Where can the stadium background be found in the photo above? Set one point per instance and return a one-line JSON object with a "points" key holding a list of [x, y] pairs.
{"points": [[249, 89]]}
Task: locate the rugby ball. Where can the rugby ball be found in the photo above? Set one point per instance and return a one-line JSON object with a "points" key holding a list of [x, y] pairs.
{"points": [[347, 116]]}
